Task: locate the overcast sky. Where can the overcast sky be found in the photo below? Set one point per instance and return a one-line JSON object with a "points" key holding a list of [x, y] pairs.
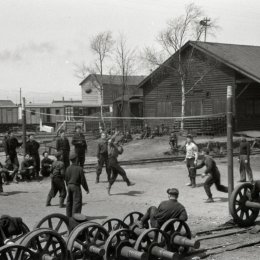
{"points": [[42, 40]]}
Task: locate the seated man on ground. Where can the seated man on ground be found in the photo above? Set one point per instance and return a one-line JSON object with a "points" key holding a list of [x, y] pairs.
{"points": [[27, 168], [46, 163], [168, 209], [9, 171]]}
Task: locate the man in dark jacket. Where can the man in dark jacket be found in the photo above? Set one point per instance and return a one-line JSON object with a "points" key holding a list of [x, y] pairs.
{"points": [[75, 178], [102, 156], [32, 148], [27, 168], [80, 145], [244, 160], [168, 209], [213, 175], [46, 164], [57, 181], [113, 152], [6, 143], [63, 146], [13, 144]]}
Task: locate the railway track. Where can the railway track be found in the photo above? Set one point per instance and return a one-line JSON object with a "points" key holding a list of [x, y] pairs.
{"points": [[223, 239]]}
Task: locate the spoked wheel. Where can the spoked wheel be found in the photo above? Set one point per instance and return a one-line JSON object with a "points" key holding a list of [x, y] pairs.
{"points": [[46, 244], [57, 222], [117, 242], [16, 252], [86, 241], [242, 215], [175, 227], [114, 224], [152, 242], [130, 218]]}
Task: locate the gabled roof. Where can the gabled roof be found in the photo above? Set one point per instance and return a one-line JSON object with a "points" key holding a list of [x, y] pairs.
{"points": [[242, 58], [8, 103], [114, 79]]}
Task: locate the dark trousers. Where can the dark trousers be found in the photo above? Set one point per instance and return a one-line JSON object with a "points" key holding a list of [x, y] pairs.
{"points": [[191, 167], [214, 179], [66, 159], [103, 159], [81, 159], [256, 190], [46, 171], [245, 168], [74, 200], [57, 185], [150, 215], [27, 174], [14, 159], [36, 158], [1, 184], [116, 169]]}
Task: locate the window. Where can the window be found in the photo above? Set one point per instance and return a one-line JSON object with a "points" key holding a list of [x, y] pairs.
{"points": [[33, 112], [57, 111]]}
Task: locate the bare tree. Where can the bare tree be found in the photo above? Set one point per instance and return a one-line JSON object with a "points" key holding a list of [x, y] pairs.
{"points": [[102, 46], [125, 64], [171, 40]]}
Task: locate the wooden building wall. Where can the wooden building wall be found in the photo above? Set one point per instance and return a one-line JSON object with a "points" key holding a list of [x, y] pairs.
{"points": [[162, 97]]}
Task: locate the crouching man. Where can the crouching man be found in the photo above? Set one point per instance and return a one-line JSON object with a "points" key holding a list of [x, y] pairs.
{"points": [[167, 209], [212, 173]]}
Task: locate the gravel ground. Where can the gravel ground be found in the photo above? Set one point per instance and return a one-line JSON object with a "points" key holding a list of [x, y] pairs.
{"points": [[27, 199]]}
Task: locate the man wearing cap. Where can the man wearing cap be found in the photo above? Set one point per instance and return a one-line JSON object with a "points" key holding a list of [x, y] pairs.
{"points": [[167, 209], [102, 156], [57, 181], [191, 160], [75, 178], [13, 144], [114, 151], [244, 160], [32, 148], [213, 175], [63, 146], [80, 144]]}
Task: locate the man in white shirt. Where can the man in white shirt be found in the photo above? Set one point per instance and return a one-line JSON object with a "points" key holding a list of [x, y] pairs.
{"points": [[191, 160]]}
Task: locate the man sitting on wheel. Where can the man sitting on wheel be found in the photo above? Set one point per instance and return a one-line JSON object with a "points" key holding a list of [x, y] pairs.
{"points": [[168, 209]]}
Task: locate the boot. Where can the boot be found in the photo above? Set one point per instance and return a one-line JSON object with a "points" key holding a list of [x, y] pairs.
{"points": [[97, 180], [193, 183], [48, 201], [108, 190], [62, 205]]}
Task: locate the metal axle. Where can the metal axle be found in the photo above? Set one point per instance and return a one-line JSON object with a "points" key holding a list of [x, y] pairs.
{"points": [[131, 253], [253, 205], [162, 253], [183, 241]]}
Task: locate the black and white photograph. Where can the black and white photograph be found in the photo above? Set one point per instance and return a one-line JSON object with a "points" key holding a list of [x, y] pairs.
{"points": [[129, 130]]}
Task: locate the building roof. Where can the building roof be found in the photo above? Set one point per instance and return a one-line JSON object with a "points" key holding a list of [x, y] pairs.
{"points": [[113, 79], [6, 103], [242, 58]]}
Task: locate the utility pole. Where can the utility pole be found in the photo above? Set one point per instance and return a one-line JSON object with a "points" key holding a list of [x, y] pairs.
{"points": [[20, 96], [205, 23], [24, 124], [230, 140]]}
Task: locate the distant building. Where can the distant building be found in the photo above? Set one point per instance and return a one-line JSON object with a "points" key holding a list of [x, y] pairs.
{"points": [[225, 64], [112, 89]]}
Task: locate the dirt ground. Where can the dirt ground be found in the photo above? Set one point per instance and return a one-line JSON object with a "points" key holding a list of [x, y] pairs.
{"points": [[27, 199]]}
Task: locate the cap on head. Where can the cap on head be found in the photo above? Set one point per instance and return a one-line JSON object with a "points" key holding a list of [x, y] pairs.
{"points": [[189, 136], [77, 127], [173, 191], [73, 156], [44, 153], [62, 131]]}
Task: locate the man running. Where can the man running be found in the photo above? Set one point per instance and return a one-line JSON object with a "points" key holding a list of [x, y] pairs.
{"points": [[102, 156], [113, 152], [213, 175]]}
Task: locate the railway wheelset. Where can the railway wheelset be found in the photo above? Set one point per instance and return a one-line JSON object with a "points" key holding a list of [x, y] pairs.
{"points": [[57, 237]]}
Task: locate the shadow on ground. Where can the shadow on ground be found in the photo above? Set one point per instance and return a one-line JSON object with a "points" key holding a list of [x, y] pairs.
{"points": [[130, 193]]}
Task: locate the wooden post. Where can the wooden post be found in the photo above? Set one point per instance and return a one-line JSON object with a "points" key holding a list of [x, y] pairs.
{"points": [[230, 139], [24, 125]]}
